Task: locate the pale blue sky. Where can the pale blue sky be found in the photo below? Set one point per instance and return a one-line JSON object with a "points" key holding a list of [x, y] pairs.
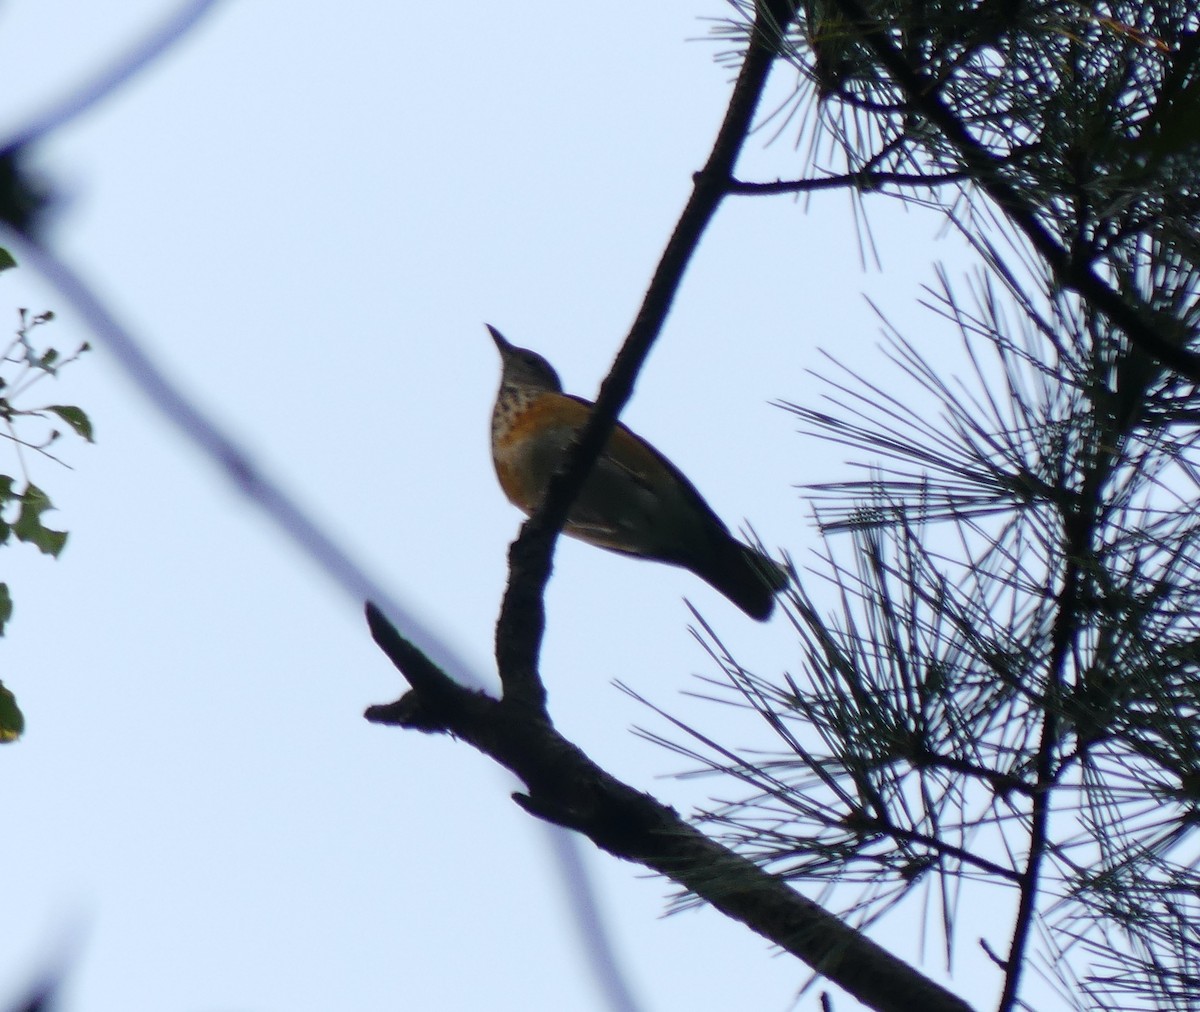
{"points": [[308, 216]]}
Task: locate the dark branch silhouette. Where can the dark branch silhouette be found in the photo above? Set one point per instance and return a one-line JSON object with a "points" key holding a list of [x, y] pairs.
{"points": [[565, 787]]}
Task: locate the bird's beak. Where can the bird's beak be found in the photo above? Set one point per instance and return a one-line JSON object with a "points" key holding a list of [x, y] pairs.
{"points": [[501, 343]]}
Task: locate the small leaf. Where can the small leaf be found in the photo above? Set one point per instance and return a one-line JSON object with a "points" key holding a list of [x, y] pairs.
{"points": [[6, 606], [12, 720], [6, 259], [75, 418], [28, 525]]}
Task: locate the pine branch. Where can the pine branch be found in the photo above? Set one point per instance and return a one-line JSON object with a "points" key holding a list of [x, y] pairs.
{"points": [[1076, 273]]}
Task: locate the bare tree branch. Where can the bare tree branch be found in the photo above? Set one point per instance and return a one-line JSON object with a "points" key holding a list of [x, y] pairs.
{"points": [[522, 615], [566, 788]]}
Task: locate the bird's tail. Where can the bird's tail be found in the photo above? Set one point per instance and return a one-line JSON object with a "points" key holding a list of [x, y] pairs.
{"points": [[747, 577]]}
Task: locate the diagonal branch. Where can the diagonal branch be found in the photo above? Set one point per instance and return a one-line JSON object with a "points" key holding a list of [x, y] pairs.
{"points": [[566, 788], [522, 615]]}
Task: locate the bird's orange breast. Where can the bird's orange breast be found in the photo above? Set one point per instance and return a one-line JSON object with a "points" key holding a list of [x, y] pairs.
{"points": [[530, 435]]}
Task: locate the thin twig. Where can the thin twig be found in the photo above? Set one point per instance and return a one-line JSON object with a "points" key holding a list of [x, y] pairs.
{"points": [[863, 181]]}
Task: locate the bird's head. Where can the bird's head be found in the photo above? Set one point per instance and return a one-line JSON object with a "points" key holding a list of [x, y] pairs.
{"points": [[522, 367]]}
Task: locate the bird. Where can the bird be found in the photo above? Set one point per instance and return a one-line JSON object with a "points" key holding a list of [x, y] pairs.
{"points": [[634, 501]]}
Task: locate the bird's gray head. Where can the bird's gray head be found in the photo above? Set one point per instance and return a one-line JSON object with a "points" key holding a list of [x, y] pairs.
{"points": [[522, 367]]}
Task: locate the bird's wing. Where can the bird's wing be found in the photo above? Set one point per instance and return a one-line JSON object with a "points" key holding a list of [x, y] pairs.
{"points": [[656, 500]]}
